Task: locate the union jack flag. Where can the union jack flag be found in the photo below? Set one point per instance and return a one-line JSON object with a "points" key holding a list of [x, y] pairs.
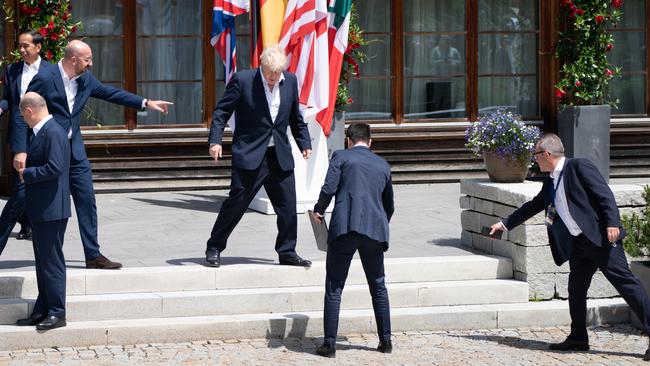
{"points": [[222, 37]]}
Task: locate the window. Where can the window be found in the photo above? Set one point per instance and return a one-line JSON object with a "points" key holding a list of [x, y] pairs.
{"points": [[103, 31], [372, 91], [629, 52], [507, 56]]}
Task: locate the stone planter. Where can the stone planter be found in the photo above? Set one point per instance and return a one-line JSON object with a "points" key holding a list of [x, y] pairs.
{"points": [[641, 269], [336, 139], [504, 170], [584, 131]]}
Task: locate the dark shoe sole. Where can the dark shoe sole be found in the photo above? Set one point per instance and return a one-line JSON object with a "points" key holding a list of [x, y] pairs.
{"points": [[570, 349], [57, 325]]}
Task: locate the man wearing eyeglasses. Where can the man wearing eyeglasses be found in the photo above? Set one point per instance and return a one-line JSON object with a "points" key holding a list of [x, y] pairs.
{"points": [[584, 228]]}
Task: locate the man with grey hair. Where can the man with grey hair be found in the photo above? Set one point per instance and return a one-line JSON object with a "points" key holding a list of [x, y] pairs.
{"points": [[265, 103], [66, 87], [584, 228], [47, 196]]}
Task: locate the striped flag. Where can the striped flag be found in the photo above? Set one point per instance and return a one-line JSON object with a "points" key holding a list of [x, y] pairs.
{"points": [[304, 39], [339, 24], [222, 37]]}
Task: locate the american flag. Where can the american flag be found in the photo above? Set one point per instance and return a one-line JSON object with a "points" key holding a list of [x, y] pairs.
{"points": [[222, 37]]}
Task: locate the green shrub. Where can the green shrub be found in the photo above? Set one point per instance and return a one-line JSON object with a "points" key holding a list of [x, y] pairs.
{"points": [[637, 241]]}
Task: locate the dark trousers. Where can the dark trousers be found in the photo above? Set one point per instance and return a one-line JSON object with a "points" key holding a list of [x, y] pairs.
{"points": [[586, 258], [281, 188], [47, 238], [339, 256], [14, 210], [83, 195]]}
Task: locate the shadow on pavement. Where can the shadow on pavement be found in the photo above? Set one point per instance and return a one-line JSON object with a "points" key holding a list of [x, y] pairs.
{"points": [[224, 261], [15, 264], [206, 204], [520, 343]]}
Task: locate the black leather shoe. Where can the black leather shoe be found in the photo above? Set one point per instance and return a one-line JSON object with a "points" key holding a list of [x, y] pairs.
{"points": [[385, 347], [51, 322], [326, 351], [31, 320], [570, 345], [295, 261], [646, 355], [25, 233], [213, 257]]}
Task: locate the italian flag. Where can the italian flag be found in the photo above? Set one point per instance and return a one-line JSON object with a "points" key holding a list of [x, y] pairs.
{"points": [[338, 28]]}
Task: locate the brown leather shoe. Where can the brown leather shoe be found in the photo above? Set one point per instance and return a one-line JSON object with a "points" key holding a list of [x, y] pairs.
{"points": [[102, 262]]}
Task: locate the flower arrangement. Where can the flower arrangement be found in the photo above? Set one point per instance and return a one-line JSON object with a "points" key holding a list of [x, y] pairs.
{"points": [[582, 48], [352, 57], [51, 18], [502, 134]]}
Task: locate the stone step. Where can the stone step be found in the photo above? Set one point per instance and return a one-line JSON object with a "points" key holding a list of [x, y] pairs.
{"points": [[307, 324], [270, 300], [243, 276]]}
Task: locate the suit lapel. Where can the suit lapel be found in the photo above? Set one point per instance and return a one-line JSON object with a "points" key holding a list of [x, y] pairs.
{"points": [[58, 85], [39, 138], [260, 94], [18, 69]]}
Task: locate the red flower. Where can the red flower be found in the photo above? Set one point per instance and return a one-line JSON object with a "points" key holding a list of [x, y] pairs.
{"points": [[617, 3], [609, 72], [559, 93], [24, 9], [65, 16], [609, 47], [54, 36], [578, 83], [50, 25], [36, 10], [599, 19], [42, 31], [73, 29], [49, 55], [580, 11], [349, 101], [565, 3]]}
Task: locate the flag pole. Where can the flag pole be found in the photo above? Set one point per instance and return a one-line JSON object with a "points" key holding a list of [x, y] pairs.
{"points": [[255, 33]]}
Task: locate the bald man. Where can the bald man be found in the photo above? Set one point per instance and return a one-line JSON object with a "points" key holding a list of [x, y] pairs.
{"points": [[47, 193], [66, 89]]}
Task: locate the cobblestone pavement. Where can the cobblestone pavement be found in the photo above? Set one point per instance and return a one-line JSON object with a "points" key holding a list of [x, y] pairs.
{"points": [[615, 345]]}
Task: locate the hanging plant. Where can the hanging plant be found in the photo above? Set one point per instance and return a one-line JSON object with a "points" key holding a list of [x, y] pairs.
{"points": [[352, 58]]}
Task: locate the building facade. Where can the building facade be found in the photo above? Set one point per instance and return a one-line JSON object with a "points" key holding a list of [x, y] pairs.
{"points": [[440, 62]]}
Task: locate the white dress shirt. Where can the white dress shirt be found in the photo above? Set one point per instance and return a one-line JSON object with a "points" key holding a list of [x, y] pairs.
{"points": [[561, 204], [40, 124], [272, 99], [29, 71], [70, 86]]}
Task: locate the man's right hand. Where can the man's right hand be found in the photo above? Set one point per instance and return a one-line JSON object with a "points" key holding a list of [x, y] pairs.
{"points": [[497, 227], [215, 151], [19, 160]]}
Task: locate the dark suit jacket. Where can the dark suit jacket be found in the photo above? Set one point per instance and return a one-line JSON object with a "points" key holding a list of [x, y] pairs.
{"points": [[49, 84], [11, 93], [254, 127], [361, 182], [46, 176], [591, 204]]}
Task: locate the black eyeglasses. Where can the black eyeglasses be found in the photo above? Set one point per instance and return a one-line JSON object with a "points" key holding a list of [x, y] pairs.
{"points": [[539, 152]]}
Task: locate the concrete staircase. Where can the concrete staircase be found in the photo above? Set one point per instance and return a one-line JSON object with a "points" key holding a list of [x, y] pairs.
{"points": [[183, 303]]}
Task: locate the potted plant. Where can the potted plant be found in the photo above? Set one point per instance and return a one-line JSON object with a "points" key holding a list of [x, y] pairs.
{"points": [[637, 241], [352, 58], [585, 73], [505, 143]]}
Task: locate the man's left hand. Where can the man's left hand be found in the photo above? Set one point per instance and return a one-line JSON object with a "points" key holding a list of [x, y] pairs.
{"points": [[159, 105], [20, 174], [613, 234], [306, 153]]}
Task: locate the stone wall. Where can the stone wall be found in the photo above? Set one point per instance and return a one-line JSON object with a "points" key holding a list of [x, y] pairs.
{"points": [[485, 203]]}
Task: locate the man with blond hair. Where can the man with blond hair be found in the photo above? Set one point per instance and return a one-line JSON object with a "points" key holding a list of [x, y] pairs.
{"points": [[265, 103]]}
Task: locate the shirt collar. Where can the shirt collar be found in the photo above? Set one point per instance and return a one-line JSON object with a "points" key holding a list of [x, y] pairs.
{"points": [[361, 144], [65, 76], [558, 168], [266, 85], [40, 124], [35, 65]]}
